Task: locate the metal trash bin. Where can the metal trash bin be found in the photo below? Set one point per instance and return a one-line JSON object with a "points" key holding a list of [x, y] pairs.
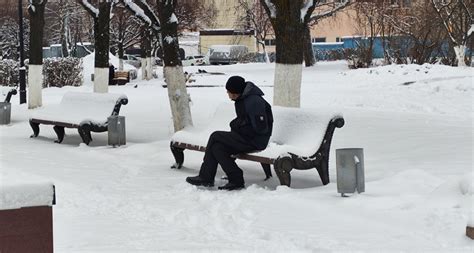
{"points": [[5, 113], [350, 170], [116, 130]]}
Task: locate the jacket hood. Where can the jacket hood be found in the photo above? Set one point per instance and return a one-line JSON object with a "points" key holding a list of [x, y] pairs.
{"points": [[251, 89]]}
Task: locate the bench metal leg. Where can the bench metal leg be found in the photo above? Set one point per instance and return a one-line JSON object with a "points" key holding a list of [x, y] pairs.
{"points": [[283, 166], [60, 133], [323, 170], [178, 154], [85, 134], [267, 170], [36, 129]]}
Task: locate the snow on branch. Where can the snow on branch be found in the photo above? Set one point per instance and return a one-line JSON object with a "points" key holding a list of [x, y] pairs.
{"points": [[271, 7], [337, 7], [471, 30], [89, 8], [304, 10], [144, 12], [32, 3]]}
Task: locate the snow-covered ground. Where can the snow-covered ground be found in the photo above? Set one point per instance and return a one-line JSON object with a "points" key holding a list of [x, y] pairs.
{"points": [[414, 123]]}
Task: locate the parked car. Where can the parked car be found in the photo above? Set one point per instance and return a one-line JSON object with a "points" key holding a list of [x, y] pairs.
{"points": [[195, 60], [226, 54], [132, 60]]}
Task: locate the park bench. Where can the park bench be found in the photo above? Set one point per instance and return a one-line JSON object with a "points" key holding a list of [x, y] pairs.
{"points": [[301, 140], [82, 110], [121, 77], [26, 216]]}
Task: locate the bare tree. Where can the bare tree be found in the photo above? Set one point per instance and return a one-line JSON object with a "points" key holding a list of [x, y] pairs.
{"points": [[255, 18], [370, 19], [125, 31], [61, 18], [323, 10], [289, 20], [456, 18], [35, 77], [422, 35], [166, 22], [101, 16], [145, 12], [194, 14]]}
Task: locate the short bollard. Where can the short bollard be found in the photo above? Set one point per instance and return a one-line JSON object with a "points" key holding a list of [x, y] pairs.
{"points": [[5, 113], [350, 170], [116, 130]]}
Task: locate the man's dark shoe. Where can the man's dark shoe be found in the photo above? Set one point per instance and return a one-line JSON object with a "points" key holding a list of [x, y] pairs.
{"points": [[232, 186], [198, 181]]}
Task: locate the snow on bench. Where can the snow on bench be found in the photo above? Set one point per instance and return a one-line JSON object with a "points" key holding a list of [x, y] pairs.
{"points": [[301, 139], [6, 93], [14, 196], [85, 111], [26, 216]]}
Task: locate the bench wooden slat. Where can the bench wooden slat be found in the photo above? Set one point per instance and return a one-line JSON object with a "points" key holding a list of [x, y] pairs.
{"points": [[248, 157], [56, 123]]}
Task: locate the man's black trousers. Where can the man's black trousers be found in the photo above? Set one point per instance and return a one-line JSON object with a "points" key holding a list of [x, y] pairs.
{"points": [[220, 147]]}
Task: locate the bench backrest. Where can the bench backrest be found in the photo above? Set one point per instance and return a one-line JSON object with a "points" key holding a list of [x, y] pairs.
{"points": [[77, 107], [296, 130], [98, 103]]}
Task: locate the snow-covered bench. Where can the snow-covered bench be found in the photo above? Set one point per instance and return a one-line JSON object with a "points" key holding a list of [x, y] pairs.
{"points": [[26, 217], [85, 111], [121, 77], [7, 93], [301, 140]]}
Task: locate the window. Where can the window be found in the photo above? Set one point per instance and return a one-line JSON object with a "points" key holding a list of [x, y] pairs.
{"points": [[338, 39], [318, 39], [270, 42]]}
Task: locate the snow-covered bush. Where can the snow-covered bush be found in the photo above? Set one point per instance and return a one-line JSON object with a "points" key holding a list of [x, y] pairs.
{"points": [[59, 72], [9, 73]]}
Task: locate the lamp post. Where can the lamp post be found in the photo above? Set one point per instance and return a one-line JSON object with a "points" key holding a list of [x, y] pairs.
{"points": [[22, 56]]}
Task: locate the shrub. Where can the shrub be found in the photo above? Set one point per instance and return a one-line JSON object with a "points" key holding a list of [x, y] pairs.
{"points": [[9, 73], [59, 72]]}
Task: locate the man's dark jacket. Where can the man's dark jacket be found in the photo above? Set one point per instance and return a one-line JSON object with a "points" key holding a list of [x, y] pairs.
{"points": [[254, 120]]}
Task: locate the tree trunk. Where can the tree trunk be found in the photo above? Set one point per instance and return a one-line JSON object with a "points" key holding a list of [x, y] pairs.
{"points": [[173, 70], [35, 76], [64, 37], [289, 32], [143, 53], [149, 67], [460, 52], [102, 37], [308, 48], [120, 55], [146, 55]]}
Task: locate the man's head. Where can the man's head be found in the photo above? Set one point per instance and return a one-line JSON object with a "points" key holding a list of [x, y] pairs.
{"points": [[235, 86]]}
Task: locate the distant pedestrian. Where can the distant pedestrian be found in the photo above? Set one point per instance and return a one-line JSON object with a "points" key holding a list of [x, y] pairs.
{"points": [[111, 74]]}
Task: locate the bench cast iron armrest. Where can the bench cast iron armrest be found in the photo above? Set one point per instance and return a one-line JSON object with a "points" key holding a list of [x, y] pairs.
{"points": [[282, 164], [9, 95]]}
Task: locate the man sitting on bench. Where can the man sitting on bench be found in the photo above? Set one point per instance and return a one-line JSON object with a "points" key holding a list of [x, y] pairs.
{"points": [[250, 131]]}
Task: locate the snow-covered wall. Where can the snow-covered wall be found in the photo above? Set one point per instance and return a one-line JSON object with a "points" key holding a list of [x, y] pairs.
{"points": [[14, 196]]}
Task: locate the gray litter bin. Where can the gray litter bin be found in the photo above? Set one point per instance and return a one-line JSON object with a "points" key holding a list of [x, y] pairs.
{"points": [[350, 170], [116, 130], [5, 113]]}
